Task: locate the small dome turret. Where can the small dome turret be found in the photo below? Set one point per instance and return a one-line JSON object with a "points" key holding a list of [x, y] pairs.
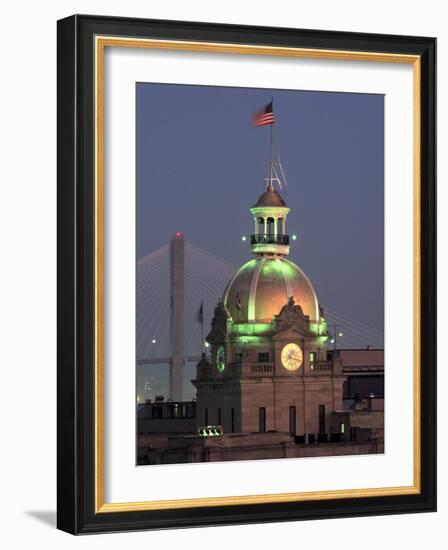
{"points": [[269, 214], [270, 198]]}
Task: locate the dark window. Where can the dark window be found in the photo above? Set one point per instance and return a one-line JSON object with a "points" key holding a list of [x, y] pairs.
{"points": [[206, 417], [321, 419], [219, 417], [262, 419], [292, 420], [238, 355], [263, 357], [156, 412], [364, 386], [233, 421]]}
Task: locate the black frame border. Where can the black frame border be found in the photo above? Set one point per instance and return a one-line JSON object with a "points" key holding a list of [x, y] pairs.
{"points": [[75, 272]]}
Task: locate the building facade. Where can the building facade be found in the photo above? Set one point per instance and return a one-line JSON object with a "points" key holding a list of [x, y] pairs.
{"points": [[269, 387], [269, 370]]}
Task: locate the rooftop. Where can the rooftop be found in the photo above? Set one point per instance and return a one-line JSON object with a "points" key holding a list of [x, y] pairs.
{"points": [[271, 197]]}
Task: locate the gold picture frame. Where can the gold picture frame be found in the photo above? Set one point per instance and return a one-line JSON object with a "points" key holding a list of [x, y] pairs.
{"points": [[98, 34]]}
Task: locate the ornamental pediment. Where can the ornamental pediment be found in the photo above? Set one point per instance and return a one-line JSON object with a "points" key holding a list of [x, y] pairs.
{"points": [[291, 315], [291, 333]]}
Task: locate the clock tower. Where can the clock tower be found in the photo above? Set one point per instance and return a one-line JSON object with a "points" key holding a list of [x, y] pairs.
{"points": [[269, 370]]}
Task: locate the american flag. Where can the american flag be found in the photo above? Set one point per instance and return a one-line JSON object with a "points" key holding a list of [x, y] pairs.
{"points": [[200, 313], [265, 116]]}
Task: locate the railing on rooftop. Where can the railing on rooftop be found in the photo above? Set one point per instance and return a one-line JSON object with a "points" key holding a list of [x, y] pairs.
{"points": [[322, 367], [262, 368], [262, 238]]}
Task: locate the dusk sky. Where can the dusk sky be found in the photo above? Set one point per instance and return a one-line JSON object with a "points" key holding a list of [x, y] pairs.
{"points": [[201, 165]]}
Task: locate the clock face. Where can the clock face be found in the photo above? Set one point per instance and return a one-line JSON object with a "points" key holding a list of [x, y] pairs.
{"points": [[220, 359], [292, 356]]}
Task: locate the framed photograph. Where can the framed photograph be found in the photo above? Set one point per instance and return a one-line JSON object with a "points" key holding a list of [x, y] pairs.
{"points": [[246, 274]]}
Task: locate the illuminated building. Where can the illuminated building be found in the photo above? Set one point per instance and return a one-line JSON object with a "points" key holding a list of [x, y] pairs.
{"points": [[269, 370], [270, 388]]}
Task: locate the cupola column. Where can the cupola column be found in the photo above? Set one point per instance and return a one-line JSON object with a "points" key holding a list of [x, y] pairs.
{"points": [[269, 215]]}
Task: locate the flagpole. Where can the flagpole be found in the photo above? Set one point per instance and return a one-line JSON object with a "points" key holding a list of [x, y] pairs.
{"points": [[238, 307], [202, 334], [270, 146], [202, 328], [200, 318], [270, 159], [237, 327]]}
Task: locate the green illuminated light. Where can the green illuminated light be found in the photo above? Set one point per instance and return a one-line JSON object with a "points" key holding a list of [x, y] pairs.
{"points": [[269, 211], [247, 265], [319, 329], [221, 359], [250, 339], [252, 328], [286, 269], [269, 267]]}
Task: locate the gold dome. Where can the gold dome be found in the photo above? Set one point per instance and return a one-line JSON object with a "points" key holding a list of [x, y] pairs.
{"points": [[264, 285]]}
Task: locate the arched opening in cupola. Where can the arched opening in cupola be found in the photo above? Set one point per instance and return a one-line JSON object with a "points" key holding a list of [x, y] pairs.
{"points": [[280, 226]]}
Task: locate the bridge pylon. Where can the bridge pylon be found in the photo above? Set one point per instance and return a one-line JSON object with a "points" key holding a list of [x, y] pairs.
{"points": [[177, 315]]}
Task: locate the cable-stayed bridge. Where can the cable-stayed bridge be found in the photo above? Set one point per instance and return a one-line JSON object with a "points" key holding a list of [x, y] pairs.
{"points": [[204, 279], [172, 282]]}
